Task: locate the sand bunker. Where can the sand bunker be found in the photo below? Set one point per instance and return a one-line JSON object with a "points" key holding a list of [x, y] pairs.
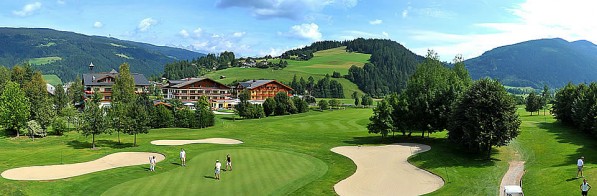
{"points": [[201, 141], [53, 172], [383, 170]]}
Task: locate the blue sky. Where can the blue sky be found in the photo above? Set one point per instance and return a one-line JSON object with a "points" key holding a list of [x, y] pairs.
{"points": [[261, 27]]}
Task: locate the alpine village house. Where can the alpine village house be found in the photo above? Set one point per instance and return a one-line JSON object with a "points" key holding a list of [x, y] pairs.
{"points": [[103, 82]]}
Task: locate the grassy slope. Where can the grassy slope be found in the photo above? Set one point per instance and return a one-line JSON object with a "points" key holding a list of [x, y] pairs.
{"points": [[323, 62], [52, 79], [551, 150], [44, 60]]}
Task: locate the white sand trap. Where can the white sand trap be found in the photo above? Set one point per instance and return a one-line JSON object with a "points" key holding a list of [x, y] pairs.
{"points": [[53, 172], [201, 141], [383, 170]]}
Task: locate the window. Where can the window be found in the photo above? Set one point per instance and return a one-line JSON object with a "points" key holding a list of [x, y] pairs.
{"points": [[108, 90], [108, 97]]}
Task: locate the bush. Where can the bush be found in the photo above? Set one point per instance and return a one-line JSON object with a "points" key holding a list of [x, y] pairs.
{"points": [[59, 126]]}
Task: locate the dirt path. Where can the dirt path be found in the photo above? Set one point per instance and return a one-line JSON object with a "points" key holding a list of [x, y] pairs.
{"points": [[384, 170], [513, 175], [53, 172], [201, 141]]}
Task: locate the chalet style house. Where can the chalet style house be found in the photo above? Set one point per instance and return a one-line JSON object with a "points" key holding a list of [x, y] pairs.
{"points": [[189, 90], [262, 89], [103, 82]]}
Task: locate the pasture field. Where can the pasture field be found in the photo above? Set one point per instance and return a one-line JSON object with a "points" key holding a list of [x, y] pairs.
{"points": [[328, 61], [44, 60], [52, 79]]}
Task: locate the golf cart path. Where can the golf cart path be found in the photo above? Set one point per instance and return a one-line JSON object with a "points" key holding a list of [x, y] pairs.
{"points": [[384, 170], [513, 175], [53, 172], [200, 141]]}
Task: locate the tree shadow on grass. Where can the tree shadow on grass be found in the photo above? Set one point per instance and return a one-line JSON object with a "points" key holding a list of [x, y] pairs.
{"points": [[442, 153], [76, 144], [570, 135]]}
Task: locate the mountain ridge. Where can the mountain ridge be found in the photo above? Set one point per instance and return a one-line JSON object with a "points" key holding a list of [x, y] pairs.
{"points": [[534, 63], [68, 54]]}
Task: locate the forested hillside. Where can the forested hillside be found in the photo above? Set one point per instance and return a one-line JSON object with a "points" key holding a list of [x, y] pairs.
{"points": [[554, 62], [67, 54]]}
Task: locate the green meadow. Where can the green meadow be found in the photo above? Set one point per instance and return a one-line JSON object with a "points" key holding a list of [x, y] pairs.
{"points": [[52, 79], [323, 62], [291, 155], [44, 60]]}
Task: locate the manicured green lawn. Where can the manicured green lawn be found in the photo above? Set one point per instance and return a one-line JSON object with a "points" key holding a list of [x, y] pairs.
{"points": [[52, 79], [550, 151], [255, 171]]}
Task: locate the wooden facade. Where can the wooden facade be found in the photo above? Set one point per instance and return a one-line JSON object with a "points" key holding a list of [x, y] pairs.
{"points": [[262, 89], [190, 90]]}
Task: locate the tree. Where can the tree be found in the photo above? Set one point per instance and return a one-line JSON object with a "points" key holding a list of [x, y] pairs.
{"points": [[431, 92], [400, 113], [14, 108], [203, 115], [533, 103], [301, 105], [282, 104], [355, 96], [60, 98], [94, 121], [123, 102], [41, 104], [334, 103], [366, 100], [18, 75], [35, 129], [184, 118], [545, 98], [70, 113], [323, 105], [563, 103], [243, 108], [484, 117], [269, 106], [75, 92], [59, 126], [163, 117], [381, 121], [140, 118], [4, 77]]}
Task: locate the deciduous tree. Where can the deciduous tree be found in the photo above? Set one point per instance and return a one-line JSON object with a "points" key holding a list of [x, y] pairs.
{"points": [[269, 106], [381, 122], [14, 108], [484, 117], [94, 121]]}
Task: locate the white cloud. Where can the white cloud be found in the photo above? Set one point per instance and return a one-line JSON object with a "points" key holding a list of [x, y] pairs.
{"points": [[272, 52], [184, 33], [197, 32], [404, 13], [385, 34], [238, 34], [98, 24], [533, 19], [61, 2], [306, 31], [146, 23], [28, 9], [376, 22], [291, 9]]}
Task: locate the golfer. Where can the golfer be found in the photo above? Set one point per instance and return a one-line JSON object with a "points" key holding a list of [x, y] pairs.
{"points": [[217, 169], [228, 162], [585, 187], [580, 163], [183, 157]]}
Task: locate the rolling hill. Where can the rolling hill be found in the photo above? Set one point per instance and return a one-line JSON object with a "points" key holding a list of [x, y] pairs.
{"points": [[323, 62], [554, 62], [68, 54]]}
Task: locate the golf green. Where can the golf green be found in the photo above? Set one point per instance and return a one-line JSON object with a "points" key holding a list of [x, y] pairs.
{"points": [[255, 171]]}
